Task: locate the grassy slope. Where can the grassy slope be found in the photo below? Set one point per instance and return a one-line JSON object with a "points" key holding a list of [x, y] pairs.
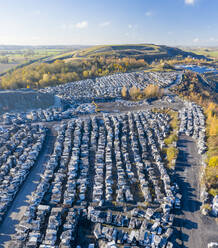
{"points": [[208, 52], [149, 52]]}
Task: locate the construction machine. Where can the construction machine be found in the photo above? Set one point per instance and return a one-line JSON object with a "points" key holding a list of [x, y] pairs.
{"points": [[96, 107]]}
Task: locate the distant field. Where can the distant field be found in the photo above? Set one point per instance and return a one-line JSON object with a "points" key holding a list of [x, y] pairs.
{"points": [[10, 58], [5, 67], [208, 52], [23, 56]]}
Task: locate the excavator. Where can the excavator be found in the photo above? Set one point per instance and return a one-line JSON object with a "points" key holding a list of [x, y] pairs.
{"points": [[96, 107]]}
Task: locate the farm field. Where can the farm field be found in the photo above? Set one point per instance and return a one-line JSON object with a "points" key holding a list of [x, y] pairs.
{"points": [[24, 53], [210, 52], [13, 56], [5, 67]]}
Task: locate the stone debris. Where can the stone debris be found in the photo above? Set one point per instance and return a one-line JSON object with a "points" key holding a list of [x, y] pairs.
{"points": [[105, 177]]}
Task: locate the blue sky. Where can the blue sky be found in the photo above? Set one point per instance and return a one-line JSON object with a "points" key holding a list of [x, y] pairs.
{"points": [[89, 22]]}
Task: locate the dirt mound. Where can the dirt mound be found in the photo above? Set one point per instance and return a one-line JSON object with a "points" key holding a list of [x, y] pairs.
{"points": [[24, 100]]}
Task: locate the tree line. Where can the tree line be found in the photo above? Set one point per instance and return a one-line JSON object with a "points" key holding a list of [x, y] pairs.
{"points": [[39, 75], [192, 89], [134, 93]]}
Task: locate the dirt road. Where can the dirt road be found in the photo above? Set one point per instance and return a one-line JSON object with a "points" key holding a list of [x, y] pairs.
{"points": [[19, 204], [193, 229]]}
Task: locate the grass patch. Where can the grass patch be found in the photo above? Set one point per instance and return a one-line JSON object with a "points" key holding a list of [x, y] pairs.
{"points": [[213, 192], [172, 138], [208, 52], [170, 151], [193, 89]]}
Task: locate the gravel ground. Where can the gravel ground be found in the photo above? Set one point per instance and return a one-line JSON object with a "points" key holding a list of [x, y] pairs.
{"points": [[25, 100], [116, 107], [193, 229]]}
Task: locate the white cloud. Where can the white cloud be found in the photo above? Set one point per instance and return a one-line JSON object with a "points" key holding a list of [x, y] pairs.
{"points": [[148, 13], [190, 1], [212, 39], [104, 24], [133, 27], [81, 25], [195, 40]]}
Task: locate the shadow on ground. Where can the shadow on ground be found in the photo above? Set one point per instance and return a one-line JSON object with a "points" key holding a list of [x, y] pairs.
{"points": [[189, 202]]}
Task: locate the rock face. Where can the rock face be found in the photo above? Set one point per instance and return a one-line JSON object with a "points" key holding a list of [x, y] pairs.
{"points": [[24, 100]]}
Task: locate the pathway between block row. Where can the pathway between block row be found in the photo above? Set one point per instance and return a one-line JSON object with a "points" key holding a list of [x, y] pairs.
{"points": [[193, 229], [16, 210]]}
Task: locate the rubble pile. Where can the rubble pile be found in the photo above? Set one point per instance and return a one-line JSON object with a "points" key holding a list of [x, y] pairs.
{"points": [[192, 123], [106, 172], [19, 149], [110, 86]]}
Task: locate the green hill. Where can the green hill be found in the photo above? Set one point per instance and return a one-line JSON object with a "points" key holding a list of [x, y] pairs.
{"points": [[149, 52]]}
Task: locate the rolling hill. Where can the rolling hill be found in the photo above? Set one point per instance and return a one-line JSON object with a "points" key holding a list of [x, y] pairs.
{"points": [[90, 62], [149, 52]]}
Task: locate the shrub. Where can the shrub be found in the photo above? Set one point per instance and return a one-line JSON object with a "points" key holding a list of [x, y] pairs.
{"points": [[174, 123], [124, 92], [172, 154], [172, 138], [152, 91], [213, 162], [213, 192], [211, 176], [134, 93]]}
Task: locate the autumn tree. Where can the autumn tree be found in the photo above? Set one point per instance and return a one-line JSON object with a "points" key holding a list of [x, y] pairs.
{"points": [[85, 74], [134, 92], [213, 162], [124, 92], [152, 91]]}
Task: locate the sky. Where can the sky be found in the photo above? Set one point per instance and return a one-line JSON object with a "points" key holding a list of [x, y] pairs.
{"points": [[94, 22]]}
